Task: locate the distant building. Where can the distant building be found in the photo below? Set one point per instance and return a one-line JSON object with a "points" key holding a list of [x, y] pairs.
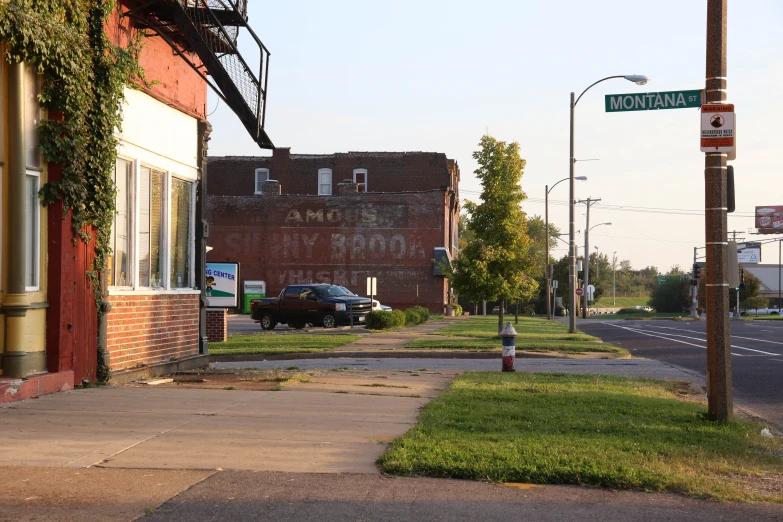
{"points": [[338, 218], [769, 275]]}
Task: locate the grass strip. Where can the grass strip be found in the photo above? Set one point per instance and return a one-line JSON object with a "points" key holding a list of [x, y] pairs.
{"points": [[486, 327], [622, 302], [607, 431], [271, 344], [533, 345]]}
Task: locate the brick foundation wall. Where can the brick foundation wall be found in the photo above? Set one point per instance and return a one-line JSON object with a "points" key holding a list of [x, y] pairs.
{"points": [[146, 329], [217, 325]]}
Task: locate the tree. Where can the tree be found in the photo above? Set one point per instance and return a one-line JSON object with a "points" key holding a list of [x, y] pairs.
{"points": [[671, 295], [536, 231], [497, 263], [751, 289], [754, 303]]}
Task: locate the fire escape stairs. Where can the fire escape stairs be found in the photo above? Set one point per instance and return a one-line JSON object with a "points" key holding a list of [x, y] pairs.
{"points": [[205, 34]]}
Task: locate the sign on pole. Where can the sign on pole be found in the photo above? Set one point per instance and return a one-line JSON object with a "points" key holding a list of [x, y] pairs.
{"points": [[372, 287], [717, 127], [222, 285], [590, 292], [653, 101], [579, 291]]}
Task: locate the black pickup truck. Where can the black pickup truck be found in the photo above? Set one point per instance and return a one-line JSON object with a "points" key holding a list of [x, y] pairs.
{"points": [[317, 304]]}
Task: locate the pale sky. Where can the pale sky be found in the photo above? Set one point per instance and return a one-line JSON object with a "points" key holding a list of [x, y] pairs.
{"points": [[436, 75]]}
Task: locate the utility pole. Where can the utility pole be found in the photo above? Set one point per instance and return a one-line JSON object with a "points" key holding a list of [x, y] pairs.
{"points": [[694, 288], [734, 235], [719, 382], [614, 281], [585, 301], [547, 273]]}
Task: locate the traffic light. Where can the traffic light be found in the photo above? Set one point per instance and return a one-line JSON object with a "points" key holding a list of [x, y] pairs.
{"points": [[742, 278], [730, 198], [696, 275]]}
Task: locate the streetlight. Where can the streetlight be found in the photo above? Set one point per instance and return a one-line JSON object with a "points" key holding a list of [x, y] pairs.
{"points": [[547, 275], [587, 267], [614, 293], [638, 79]]}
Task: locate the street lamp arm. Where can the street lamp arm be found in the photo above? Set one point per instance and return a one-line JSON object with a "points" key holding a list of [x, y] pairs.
{"points": [[598, 225], [596, 83], [553, 186]]}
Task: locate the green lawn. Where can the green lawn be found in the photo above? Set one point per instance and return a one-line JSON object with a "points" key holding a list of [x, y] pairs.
{"points": [[590, 430], [272, 344], [622, 302], [533, 334], [766, 318]]}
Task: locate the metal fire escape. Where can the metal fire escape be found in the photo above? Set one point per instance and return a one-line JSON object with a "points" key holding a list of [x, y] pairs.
{"points": [[205, 33]]}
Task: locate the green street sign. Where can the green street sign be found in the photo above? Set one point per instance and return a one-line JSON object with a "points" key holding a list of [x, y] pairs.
{"points": [[653, 101]]}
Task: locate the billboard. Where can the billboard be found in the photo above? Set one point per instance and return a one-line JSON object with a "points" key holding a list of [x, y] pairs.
{"points": [[769, 219], [222, 285], [749, 253]]}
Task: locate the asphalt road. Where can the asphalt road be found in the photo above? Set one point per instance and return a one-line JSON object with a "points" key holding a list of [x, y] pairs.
{"points": [[302, 497], [756, 348]]}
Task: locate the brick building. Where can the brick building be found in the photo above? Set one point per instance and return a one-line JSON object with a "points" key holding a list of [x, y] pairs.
{"points": [[338, 218], [153, 283]]}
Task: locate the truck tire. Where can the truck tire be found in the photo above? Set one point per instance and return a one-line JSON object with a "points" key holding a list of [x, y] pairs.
{"points": [[267, 322], [328, 321]]}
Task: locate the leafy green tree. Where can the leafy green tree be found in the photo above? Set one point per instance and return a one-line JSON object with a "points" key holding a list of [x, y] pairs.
{"points": [[536, 231], [754, 303], [675, 270], [671, 295], [751, 289], [497, 263]]}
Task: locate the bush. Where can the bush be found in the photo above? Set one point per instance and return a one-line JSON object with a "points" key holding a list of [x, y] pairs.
{"points": [[423, 312], [413, 317], [381, 320], [399, 317]]}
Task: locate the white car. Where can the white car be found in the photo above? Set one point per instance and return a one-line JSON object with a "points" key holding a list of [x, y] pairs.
{"points": [[763, 311], [377, 306]]}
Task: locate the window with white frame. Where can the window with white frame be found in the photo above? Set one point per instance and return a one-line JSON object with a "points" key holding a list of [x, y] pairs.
{"points": [[262, 175], [180, 230], [151, 219], [34, 162], [360, 178], [152, 236], [32, 116], [324, 182], [118, 263], [32, 231]]}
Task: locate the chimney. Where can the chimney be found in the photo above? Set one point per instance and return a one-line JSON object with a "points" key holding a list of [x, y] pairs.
{"points": [[347, 187], [271, 188]]}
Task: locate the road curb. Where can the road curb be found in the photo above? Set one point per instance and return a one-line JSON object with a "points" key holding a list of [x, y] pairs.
{"points": [[388, 354]]}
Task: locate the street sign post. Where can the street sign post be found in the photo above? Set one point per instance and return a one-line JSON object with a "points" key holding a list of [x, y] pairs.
{"points": [[653, 101], [717, 127]]}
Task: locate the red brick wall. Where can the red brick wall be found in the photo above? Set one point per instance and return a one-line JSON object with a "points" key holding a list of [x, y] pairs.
{"points": [[217, 325], [177, 85], [342, 240], [298, 174], [145, 329]]}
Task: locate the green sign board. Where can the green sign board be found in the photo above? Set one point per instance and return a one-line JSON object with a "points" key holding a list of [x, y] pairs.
{"points": [[653, 101]]}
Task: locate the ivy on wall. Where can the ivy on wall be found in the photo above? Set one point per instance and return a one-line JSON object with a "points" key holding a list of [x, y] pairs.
{"points": [[83, 75]]}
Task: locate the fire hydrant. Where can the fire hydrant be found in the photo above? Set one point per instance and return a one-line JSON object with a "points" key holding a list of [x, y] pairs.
{"points": [[509, 337]]}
